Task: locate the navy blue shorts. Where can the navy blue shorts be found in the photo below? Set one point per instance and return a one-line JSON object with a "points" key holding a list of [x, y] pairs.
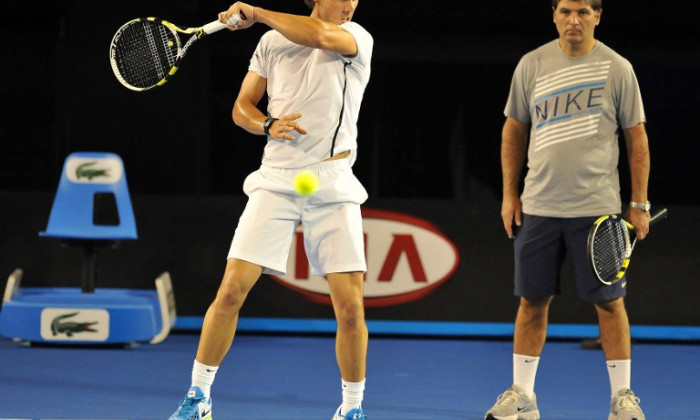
{"points": [[542, 243]]}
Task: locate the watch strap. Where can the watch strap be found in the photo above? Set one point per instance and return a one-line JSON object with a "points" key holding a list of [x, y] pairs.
{"points": [[267, 124], [646, 206]]}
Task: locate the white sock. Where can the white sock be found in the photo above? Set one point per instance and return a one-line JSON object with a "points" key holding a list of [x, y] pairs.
{"points": [[203, 377], [524, 372], [619, 372], [353, 392]]}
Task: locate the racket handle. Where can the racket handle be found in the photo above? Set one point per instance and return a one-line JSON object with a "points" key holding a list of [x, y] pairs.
{"points": [[658, 216], [216, 26]]}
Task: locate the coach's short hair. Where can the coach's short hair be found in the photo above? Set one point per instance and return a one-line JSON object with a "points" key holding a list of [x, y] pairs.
{"points": [[595, 4]]}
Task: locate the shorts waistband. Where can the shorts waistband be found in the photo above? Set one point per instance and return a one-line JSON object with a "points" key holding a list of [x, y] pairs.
{"points": [[324, 165]]}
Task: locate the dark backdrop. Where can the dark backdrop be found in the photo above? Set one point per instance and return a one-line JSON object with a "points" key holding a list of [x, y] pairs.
{"points": [[438, 73], [429, 130]]}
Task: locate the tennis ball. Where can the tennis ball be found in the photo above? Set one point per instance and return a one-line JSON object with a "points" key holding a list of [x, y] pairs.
{"points": [[305, 182]]}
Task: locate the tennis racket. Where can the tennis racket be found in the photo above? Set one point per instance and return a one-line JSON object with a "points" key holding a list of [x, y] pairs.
{"points": [[146, 52], [610, 244]]}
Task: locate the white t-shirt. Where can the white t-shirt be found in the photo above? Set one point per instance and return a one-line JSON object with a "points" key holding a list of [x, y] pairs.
{"points": [[321, 85]]}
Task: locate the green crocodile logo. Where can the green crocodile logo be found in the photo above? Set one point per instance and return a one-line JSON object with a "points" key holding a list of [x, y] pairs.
{"points": [[70, 328], [82, 171]]}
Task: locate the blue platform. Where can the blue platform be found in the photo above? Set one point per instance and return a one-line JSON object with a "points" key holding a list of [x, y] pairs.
{"points": [[69, 316]]}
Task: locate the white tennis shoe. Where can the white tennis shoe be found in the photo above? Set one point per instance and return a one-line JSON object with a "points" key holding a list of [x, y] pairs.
{"points": [[514, 404], [625, 406]]}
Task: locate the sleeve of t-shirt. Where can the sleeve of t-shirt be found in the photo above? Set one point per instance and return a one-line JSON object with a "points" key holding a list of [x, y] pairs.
{"points": [[517, 106], [258, 63], [365, 44], [631, 108]]}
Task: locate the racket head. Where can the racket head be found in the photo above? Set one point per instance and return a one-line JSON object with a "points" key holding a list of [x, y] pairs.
{"points": [[144, 53], [609, 248]]}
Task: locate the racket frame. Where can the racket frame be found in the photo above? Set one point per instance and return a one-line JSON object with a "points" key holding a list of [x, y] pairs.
{"points": [[196, 33], [630, 241]]}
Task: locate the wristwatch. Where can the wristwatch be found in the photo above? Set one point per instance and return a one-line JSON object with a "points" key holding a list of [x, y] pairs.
{"points": [[641, 206], [266, 125]]}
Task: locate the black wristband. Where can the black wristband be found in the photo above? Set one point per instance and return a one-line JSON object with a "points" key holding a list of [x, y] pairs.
{"points": [[267, 124]]}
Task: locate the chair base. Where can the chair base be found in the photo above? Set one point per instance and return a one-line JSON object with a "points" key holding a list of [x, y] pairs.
{"points": [[69, 316]]}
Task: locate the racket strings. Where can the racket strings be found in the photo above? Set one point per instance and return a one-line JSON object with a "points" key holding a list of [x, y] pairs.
{"points": [[145, 52], [611, 247], [151, 42]]}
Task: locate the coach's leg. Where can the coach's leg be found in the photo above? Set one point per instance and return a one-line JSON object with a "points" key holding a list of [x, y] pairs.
{"points": [[519, 401], [614, 329], [531, 326], [351, 338], [615, 339], [221, 318]]}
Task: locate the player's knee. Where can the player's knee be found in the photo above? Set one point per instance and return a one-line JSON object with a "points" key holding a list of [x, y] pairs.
{"points": [[227, 301], [351, 316], [230, 296]]}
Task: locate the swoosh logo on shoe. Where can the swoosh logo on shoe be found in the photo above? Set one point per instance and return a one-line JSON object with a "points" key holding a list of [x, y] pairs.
{"points": [[205, 412]]}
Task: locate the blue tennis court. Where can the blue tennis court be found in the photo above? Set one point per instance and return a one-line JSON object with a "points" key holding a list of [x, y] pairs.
{"points": [[289, 377]]}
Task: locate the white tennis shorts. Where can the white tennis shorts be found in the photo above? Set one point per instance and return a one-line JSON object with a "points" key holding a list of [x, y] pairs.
{"points": [[330, 219]]}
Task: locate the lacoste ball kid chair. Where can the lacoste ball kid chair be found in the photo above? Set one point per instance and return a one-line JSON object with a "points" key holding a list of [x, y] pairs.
{"points": [[92, 208]]}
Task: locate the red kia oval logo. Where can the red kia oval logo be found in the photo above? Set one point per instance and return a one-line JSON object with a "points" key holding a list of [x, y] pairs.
{"points": [[407, 258]]}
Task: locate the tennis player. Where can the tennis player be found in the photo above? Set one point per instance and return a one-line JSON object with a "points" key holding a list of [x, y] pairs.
{"points": [[314, 70], [571, 97]]}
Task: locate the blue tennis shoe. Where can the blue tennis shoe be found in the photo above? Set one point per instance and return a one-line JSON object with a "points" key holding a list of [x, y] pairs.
{"points": [[354, 414], [194, 407]]}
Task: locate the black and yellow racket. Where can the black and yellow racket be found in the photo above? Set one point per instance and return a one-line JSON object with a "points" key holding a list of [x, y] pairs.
{"points": [[610, 244], [146, 52]]}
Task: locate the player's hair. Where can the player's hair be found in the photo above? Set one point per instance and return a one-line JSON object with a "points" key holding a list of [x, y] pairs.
{"points": [[310, 3], [595, 4]]}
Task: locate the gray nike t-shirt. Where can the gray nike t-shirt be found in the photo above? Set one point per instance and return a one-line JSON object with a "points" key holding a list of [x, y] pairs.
{"points": [[576, 106]]}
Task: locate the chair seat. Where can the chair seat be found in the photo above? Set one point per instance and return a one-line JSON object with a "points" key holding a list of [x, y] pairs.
{"points": [[83, 235]]}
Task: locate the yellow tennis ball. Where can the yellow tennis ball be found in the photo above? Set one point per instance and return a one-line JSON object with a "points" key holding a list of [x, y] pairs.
{"points": [[170, 43], [305, 183]]}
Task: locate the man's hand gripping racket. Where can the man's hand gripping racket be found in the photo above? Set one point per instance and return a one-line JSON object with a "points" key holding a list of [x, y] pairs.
{"points": [[146, 52], [610, 244]]}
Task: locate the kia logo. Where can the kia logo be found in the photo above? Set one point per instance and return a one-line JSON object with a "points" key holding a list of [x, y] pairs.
{"points": [[407, 259]]}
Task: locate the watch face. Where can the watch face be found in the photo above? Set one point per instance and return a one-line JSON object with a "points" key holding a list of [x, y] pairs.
{"points": [[267, 124], [641, 206]]}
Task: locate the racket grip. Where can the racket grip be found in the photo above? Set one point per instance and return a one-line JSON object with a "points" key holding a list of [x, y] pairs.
{"points": [[216, 26], [212, 27]]}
